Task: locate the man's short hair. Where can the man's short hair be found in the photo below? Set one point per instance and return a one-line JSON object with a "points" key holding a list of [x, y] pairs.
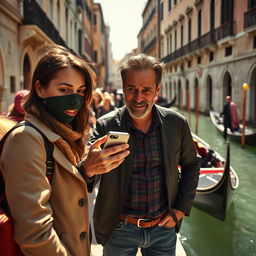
{"points": [[141, 62]]}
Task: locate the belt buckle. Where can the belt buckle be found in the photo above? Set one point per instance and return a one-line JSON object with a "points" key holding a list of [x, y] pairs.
{"points": [[138, 222]]}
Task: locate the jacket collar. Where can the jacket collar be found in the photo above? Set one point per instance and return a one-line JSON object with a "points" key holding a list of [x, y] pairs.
{"points": [[49, 134], [52, 137]]}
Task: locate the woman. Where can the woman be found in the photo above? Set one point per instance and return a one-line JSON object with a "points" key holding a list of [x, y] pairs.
{"points": [[51, 218]]}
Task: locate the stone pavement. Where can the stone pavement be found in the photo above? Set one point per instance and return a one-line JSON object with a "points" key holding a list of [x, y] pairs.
{"points": [[96, 249]]}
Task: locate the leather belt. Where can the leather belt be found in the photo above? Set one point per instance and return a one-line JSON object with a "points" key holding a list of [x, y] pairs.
{"points": [[140, 222]]}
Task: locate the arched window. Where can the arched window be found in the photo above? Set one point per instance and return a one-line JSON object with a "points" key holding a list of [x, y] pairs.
{"points": [[66, 20], [181, 35], [26, 72], [189, 30], [199, 23], [59, 15], [209, 94], [227, 85]]}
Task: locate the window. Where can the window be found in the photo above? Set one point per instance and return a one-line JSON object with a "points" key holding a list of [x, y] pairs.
{"points": [[59, 15], [181, 35], [189, 30], [67, 24], [228, 51], [162, 11], [95, 55], [175, 40], [94, 19], [199, 23], [170, 43], [251, 4], [12, 84], [227, 9], [175, 2], [189, 64], [199, 60], [51, 10], [211, 56], [254, 42], [212, 15], [170, 5]]}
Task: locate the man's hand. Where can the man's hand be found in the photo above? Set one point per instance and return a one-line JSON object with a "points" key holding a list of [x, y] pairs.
{"points": [[101, 161], [168, 221]]}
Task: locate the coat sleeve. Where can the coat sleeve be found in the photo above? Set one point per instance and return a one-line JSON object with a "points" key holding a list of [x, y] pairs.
{"points": [[28, 192], [189, 174]]}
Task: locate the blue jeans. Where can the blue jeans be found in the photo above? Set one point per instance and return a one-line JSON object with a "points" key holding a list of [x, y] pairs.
{"points": [[126, 239]]}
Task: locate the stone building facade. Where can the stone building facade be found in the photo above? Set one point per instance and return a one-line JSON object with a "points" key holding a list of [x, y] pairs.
{"points": [[26, 25], [209, 48]]}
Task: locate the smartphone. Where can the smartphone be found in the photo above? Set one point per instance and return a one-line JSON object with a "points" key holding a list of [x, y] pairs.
{"points": [[116, 138]]}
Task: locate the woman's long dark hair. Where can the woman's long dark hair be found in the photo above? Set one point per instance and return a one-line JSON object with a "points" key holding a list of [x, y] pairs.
{"points": [[54, 59]]}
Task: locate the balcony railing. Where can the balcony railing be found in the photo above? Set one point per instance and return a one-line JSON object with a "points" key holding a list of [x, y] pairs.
{"points": [[150, 45], [151, 15], [34, 15], [250, 18], [203, 41], [227, 29]]}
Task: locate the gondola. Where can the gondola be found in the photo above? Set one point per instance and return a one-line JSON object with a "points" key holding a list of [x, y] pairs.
{"points": [[217, 181], [250, 133]]}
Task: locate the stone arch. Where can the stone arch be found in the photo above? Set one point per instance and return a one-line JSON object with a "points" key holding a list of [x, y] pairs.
{"points": [[227, 85], [209, 93], [187, 93], [196, 86], [26, 72], [179, 93], [252, 94]]}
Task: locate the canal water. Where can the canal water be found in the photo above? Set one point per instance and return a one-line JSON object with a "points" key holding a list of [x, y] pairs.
{"points": [[203, 235]]}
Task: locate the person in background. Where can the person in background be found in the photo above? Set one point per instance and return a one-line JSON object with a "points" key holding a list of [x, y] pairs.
{"points": [[107, 105], [226, 116], [234, 117], [97, 101], [141, 203], [51, 213], [16, 111]]}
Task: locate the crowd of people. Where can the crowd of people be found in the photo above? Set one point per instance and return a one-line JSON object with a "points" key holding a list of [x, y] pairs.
{"points": [[140, 186]]}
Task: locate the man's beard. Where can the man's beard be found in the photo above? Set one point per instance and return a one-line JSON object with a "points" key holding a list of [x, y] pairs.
{"points": [[138, 114]]}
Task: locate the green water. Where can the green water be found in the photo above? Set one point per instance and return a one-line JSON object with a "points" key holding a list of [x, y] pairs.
{"points": [[203, 235]]}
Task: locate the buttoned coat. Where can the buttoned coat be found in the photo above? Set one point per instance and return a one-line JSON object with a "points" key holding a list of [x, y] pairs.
{"points": [[49, 219], [178, 149]]}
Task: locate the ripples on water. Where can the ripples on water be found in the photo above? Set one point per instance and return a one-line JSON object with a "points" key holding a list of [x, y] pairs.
{"points": [[203, 235]]}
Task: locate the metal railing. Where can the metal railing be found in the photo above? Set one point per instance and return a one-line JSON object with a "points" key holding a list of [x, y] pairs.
{"points": [[150, 45], [203, 41], [34, 15], [250, 18]]}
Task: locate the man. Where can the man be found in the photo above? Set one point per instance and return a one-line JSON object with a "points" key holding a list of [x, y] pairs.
{"points": [[226, 116], [140, 204]]}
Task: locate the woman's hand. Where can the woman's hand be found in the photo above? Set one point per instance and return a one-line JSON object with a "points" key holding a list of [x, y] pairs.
{"points": [[101, 161]]}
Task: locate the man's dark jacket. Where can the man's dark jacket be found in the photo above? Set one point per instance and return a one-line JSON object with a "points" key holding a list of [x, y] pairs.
{"points": [[178, 149]]}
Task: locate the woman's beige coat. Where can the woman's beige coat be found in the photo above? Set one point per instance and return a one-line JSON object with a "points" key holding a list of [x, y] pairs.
{"points": [[50, 219]]}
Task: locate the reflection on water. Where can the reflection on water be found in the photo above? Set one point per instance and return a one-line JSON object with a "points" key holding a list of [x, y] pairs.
{"points": [[203, 235]]}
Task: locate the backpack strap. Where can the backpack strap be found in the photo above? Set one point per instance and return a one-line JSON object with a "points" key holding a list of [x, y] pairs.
{"points": [[49, 152]]}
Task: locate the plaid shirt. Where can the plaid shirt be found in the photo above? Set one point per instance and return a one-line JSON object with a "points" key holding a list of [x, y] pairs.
{"points": [[146, 195]]}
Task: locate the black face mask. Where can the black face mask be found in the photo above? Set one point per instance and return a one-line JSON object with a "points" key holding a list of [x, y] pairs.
{"points": [[64, 108]]}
